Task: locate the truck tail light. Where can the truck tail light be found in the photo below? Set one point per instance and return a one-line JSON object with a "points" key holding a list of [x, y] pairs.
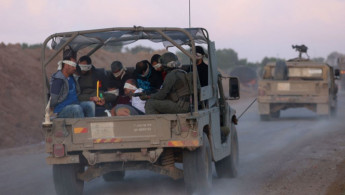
{"points": [[59, 150]]}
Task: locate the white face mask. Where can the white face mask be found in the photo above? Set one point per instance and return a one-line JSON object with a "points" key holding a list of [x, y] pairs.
{"points": [[117, 74], [85, 67], [157, 66], [115, 92], [199, 56]]}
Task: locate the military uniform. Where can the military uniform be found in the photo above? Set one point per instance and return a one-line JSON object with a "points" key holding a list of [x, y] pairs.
{"points": [[173, 98]]}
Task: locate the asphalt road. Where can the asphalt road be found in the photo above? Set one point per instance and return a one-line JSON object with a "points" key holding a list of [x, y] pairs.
{"points": [[264, 147]]}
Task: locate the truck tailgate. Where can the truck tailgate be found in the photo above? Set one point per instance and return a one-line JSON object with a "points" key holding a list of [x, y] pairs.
{"points": [[120, 129], [307, 88]]}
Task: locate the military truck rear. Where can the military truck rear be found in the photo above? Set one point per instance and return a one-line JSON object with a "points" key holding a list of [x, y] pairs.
{"points": [[306, 84], [341, 66], [81, 149]]}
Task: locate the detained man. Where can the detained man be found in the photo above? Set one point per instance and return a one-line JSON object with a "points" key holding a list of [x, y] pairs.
{"points": [[64, 90], [136, 105]]}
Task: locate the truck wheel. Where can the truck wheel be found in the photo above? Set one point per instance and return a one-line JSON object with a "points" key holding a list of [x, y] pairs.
{"points": [[275, 114], [197, 168], [227, 167], [65, 179], [264, 117], [333, 111], [114, 176]]}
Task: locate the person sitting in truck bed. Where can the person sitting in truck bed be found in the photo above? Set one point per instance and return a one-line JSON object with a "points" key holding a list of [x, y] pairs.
{"points": [[119, 76], [174, 96], [158, 66], [64, 90], [136, 106], [89, 76], [148, 78]]}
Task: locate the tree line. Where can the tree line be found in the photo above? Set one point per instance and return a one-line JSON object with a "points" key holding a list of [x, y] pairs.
{"points": [[227, 59]]}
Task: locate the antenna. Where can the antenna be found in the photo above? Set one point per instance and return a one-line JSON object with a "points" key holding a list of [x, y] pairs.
{"points": [[189, 15]]}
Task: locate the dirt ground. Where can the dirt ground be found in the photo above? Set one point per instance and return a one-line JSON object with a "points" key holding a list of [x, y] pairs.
{"points": [[318, 168]]}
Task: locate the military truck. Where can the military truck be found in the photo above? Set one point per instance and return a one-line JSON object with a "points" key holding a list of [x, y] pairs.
{"points": [[81, 149], [299, 82], [341, 66]]}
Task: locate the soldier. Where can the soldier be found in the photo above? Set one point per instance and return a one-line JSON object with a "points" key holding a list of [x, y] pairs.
{"points": [[174, 97]]}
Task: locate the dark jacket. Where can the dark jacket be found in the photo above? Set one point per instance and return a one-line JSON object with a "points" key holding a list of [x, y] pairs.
{"points": [[118, 83], [152, 82], [88, 83], [203, 73]]}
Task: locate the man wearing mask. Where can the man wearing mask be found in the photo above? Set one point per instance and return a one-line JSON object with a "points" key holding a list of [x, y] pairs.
{"points": [[158, 66], [136, 106], [147, 77], [118, 76], [202, 67], [174, 96], [64, 90], [89, 77]]}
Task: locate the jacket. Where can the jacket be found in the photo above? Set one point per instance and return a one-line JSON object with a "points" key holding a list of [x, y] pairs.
{"points": [[59, 88], [175, 87], [88, 84]]}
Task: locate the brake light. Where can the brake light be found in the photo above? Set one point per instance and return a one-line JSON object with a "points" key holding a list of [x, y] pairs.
{"points": [[59, 150]]}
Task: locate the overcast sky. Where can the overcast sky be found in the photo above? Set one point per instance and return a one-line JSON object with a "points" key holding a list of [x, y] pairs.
{"points": [[253, 28]]}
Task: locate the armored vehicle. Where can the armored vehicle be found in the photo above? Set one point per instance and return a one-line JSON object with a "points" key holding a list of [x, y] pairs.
{"points": [[341, 66], [299, 82], [81, 149]]}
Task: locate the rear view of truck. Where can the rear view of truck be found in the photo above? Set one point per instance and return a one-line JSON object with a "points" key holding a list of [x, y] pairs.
{"points": [[82, 149], [306, 84]]}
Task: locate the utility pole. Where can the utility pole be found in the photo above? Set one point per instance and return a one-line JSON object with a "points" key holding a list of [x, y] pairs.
{"points": [[189, 15]]}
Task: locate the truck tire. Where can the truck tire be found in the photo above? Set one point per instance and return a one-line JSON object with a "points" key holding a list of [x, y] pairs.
{"points": [[227, 167], [265, 117], [333, 111], [66, 181], [275, 114], [114, 176], [197, 168]]}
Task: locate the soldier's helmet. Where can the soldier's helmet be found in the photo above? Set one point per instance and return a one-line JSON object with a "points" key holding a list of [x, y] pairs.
{"points": [[169, 60]]}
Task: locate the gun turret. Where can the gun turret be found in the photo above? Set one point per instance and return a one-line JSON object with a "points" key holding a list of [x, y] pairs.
{"points": [[301, 49]]}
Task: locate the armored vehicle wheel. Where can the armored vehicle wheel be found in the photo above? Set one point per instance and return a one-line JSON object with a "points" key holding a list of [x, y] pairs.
{"points": [[114, 176], [65, 179], [197, 168], [264, 117], [227, 167], [334, 111]]}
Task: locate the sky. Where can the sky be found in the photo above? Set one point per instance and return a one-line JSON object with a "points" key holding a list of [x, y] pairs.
{"points": [[253, 28]]}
